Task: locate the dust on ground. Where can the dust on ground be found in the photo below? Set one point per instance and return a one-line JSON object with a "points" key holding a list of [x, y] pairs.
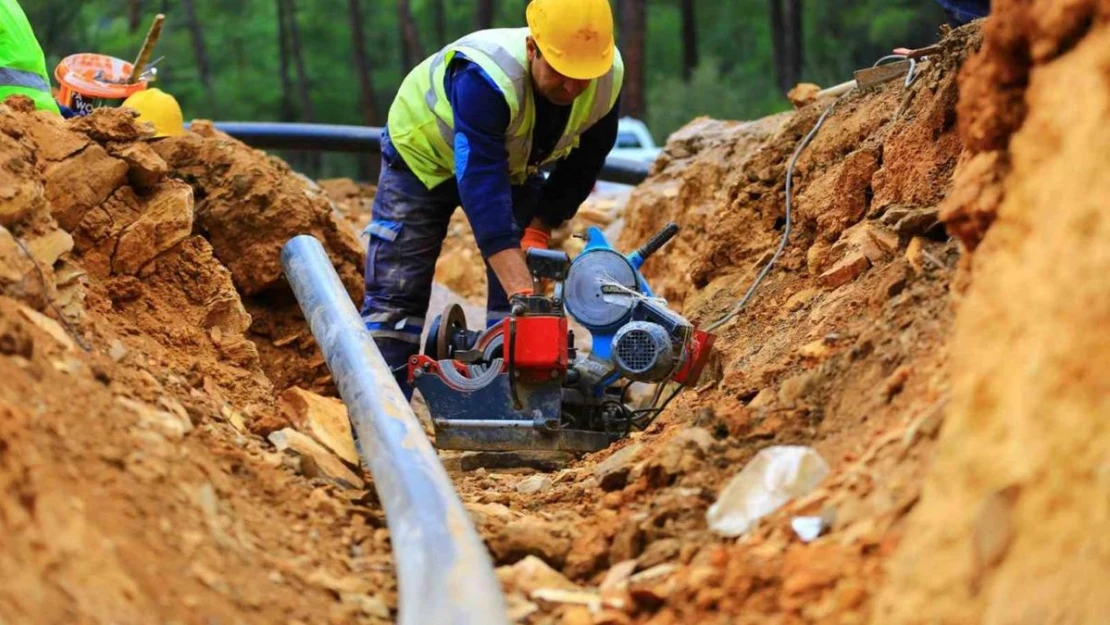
{"points": [[933, 331]]}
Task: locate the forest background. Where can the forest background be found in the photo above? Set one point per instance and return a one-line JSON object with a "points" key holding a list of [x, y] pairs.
{"points": [[341, 61]]}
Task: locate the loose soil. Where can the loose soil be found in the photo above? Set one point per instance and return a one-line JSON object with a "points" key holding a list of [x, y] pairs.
{"points": [[934, 330]]}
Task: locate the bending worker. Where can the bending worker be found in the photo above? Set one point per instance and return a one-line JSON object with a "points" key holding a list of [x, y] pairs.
{"points": [[22, 64], [471, 126]]}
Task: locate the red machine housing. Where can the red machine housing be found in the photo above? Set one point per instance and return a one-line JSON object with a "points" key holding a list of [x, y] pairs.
{"points": [[699, 348], [537, 346]]}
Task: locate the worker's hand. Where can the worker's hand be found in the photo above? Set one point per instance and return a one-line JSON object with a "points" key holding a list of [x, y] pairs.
{"points": [[535, 237], [511, 271]]}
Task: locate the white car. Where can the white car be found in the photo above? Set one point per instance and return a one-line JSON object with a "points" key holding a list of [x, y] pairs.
{"points": [[634, 142]]}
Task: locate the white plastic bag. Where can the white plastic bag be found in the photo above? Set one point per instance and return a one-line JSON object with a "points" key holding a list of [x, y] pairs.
{"points": [[774, 476]]}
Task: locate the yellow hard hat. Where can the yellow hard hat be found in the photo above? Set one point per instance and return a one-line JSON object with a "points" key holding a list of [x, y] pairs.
{"points": [[158, 108], [575, 36]]}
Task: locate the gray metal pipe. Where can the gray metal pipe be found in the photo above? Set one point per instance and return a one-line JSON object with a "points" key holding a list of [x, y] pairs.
{"points": [[444, 573]]}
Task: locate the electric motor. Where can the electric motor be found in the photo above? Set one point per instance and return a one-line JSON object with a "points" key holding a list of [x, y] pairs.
{"points": [[643, 352]]}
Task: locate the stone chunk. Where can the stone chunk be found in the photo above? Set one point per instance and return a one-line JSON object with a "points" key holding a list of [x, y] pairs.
{"points": [[80, 183], [320, 461], [166, 220], [48, 248], [843, 272], [146, 168], [532, 574], [613, 472], [323, 418]]}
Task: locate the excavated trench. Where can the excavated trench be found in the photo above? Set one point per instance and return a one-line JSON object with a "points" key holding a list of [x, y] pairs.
{"points": [[187, 467]]}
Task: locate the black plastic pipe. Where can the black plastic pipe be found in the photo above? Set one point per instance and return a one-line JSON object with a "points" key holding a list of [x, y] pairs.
{"points": [[444, 573], [367, 139]]}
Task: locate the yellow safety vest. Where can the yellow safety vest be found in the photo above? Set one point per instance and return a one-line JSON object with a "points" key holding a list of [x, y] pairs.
{"points": [[421, 122], [22, 66]]}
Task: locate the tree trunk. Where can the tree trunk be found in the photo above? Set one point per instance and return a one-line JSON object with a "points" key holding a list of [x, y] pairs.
{"points": [[792, 42], [778, 29], [297, 53], [412, 52], [288, 110], [484, 14], [134, 12], [786, 42], [362, 66], [689, 40], [633, 30], [439, 20], [201, 53]]}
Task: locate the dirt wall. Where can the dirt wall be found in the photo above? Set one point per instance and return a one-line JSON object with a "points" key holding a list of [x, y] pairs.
{"points": [[1011, 526]]}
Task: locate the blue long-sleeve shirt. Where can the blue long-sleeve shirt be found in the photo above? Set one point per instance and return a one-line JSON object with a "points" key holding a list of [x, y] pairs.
{"points": [[482, 161]]}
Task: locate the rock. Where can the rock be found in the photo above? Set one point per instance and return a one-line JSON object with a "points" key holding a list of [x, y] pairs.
{"points": [[798, 300], [145, 168], [659, 552], [849, 268], [815, 351], [348, 584], [532, 574], [763, 399], [169, 424], [894, 281], [839, 196], [613, 472], [803, 94], [533, 484], [325, 463], [53, 140], [48, 248], [48, 325], [909, 222], [519, 608], [116, 350], [993, 531], [166, 220], [589, 552], [915, 254], [774, 476], [253, 204], [489, 513], [21, 187], [556, 597], [794, 390], [681, 455], [83, 182], [323, 418], [112, 124], [530, 536]]}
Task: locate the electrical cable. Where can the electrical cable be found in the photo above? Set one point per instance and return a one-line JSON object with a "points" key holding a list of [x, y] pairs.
{"points": [[911, 75]]}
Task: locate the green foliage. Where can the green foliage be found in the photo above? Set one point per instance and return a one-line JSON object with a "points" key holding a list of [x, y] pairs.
{"points": [[710, 92], [735, 78]]}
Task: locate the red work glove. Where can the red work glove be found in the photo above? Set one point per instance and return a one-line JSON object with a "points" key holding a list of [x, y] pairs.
{"points": [[534, 237]]}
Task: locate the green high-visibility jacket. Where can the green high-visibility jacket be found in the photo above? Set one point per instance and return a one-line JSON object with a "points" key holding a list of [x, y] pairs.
{"points": [[421, 122], [22, 65]]}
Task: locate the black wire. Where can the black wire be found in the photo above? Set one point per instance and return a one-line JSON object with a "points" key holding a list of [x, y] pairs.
{"points": [[46, 294]]}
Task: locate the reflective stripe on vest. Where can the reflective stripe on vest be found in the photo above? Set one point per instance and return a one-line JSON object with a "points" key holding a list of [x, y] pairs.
{"points": [[502, 54], [10, 77]]}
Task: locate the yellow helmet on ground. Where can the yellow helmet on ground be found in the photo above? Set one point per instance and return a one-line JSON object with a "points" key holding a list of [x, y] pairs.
{"points": [[575, 36], [158, 108]]}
